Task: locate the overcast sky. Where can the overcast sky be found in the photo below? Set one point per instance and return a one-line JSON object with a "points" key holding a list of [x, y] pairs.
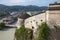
{"points": [[28, 2]]}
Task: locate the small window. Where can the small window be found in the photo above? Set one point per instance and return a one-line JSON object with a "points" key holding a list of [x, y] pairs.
{"points": [[32, 27], [55, 26], [36, 22], [33, 20], [41, 20]]}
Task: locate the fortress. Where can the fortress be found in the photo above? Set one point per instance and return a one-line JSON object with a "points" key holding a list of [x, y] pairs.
{"points": [[51, 16]]}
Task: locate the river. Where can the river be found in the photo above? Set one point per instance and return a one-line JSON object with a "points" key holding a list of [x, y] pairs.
{"points": [[7, 34]]}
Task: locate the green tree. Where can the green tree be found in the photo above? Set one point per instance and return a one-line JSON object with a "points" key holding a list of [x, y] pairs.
{"points": [[2, 25], [20, 33], [23, 33], [43, 32]]}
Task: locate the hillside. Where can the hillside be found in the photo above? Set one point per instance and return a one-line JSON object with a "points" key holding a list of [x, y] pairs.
{"points": [[21, 8], [8, 9]]}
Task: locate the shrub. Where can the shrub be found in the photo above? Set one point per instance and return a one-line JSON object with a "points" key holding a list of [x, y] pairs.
{"points": [[2, 25], [23, 34], [30, 34], [43, 32]]}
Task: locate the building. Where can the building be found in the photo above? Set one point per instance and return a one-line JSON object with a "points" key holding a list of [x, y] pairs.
{"points": [[50, 16], [53, 20], [21, 19], [8, 20]]}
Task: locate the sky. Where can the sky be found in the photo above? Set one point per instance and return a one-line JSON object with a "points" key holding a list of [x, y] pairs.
{"points": [[28, 2]]}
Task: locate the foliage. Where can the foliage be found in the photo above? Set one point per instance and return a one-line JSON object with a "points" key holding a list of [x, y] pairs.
{"points": [[30, 34], [22, 33], [2, 25], [43, 32], [3, 13]]}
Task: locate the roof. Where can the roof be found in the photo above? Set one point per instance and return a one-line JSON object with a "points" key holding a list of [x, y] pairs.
{"points": [[24, 16]]}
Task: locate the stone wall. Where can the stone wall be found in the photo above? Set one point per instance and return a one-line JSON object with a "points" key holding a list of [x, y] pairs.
{"points": [[34, 21], [20, 22], [54, 24]]}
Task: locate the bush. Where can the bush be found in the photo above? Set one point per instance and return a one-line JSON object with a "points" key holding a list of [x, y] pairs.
{"points": [[43, 32], [2, 25], [30, 34], [23, 34]]}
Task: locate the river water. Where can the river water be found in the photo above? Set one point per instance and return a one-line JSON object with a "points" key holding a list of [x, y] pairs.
{"points": [[7, 34]]}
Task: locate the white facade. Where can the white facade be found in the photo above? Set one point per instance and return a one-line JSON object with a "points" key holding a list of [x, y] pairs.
{"points": [[34, 21], [20, 22]]}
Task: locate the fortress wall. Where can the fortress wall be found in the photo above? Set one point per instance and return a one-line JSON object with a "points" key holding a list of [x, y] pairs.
{"points": [[54, 17], [54, 11], [54, 24], [20, 22], [34, 21]]}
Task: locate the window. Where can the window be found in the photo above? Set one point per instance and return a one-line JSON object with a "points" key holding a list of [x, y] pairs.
{"points": [[55, 27], [41, 20], [36, 22], [32, 27], [33, 20]]}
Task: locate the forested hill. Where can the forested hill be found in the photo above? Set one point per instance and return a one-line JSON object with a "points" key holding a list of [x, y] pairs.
{"points": [[21, 8]]}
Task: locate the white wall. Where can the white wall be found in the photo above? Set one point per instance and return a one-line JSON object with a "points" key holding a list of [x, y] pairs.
{"points": [[54, 17], [20, 22], [34, 21]]}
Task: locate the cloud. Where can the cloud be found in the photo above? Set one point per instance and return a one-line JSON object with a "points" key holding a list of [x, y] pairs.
{"points": [[17, 1], [20, 2], [27, 2]]}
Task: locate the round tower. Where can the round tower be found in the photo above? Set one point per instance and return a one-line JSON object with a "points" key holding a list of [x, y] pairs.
{"points": [[21, 19]]}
